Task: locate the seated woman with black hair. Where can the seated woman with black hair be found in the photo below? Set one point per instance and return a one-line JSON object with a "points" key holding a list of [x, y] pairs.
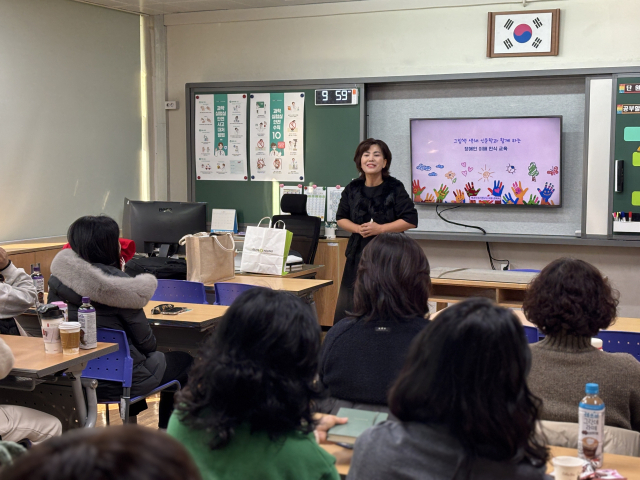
{"points": [[570, 302], [246, 412], [462, 400], [361, 356], [91, 268]]}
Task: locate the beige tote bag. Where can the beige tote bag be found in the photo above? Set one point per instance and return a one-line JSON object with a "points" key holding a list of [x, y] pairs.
{"points": [[210, 259]]}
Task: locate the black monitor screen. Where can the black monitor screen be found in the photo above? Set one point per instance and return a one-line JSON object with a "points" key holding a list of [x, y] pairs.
{"points": [[151, 224]]}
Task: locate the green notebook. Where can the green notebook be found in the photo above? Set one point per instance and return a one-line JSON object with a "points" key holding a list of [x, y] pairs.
{"points": [[359, 421]]}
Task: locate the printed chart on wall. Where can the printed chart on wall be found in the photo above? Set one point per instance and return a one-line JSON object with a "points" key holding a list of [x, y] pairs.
{"points": [[221, 146], [316, 201], [334, 194], [276, 137]]}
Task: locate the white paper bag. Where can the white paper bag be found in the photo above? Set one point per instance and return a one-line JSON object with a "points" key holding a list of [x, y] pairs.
{"points": [[265, 249]]}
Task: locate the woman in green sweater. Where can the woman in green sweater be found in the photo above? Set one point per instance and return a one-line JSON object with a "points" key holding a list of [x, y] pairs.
{"points": [[246, 411]]}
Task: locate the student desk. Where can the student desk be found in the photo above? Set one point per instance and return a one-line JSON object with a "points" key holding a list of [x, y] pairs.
{"points": [[307, 271], [27, 253], [629, 467], [301, 287], [186, 330], [35, 380]]}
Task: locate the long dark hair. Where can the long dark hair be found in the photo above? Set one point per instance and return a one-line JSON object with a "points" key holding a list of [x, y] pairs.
{"points": [[128, 452], [393, 279], [95, 239], [467, 371], [364, 146], [570, 296], [257, 368]]}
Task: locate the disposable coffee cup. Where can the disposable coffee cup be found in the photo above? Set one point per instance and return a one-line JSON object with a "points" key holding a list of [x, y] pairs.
{"points": [[70, 337], [567, 468], [51, 335], [596, 342]]}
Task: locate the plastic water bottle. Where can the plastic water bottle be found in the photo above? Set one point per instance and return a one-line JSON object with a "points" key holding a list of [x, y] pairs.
{"points": [[87, 319], [38, 281], [591, 429]]}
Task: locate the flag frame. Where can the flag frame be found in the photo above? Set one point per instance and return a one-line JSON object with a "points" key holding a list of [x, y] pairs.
{"points": [[555, 34]]}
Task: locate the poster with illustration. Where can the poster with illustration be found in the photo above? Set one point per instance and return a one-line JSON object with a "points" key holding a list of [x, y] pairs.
{"points": [[507, 161], [334, 194], [221, 129], [276, 136]]}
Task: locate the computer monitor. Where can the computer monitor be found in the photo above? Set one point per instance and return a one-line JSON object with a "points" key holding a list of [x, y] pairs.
{"points": [[162, 224]]}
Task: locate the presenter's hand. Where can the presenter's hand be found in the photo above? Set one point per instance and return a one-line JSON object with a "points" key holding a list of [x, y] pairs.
{"points": [[324, 424], [4, 259], [370, 229]]}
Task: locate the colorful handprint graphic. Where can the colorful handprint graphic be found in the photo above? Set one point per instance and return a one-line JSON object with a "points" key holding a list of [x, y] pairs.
{"points": [[417, 191], [459, 194], [442, 193], [533, 200], [496, 191], [546, 193], [471, 191], [519, 192], [509, 200], [428, 198]]}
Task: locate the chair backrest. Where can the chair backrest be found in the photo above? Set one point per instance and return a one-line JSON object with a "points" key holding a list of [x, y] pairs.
{"points": [[180, 291], [531, 333], [226, 293], [306, 234], [116, 366], [625, 342]]}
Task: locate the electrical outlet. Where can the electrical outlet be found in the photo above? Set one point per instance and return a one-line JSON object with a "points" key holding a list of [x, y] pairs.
{"points": [[171, 105]]}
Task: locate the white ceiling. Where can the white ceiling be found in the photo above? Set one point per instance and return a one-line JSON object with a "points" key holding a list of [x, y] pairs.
{"points": [[158, 7]]}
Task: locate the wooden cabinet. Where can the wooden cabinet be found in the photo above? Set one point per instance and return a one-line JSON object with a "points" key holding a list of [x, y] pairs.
{"points": [[330, 254], [24, 255]]}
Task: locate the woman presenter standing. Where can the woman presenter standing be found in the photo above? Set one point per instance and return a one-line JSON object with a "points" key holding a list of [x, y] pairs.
{"points": [[372, 204]]}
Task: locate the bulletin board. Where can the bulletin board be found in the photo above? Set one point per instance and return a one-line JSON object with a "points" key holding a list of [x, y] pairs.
{"points": [[331, 135]]}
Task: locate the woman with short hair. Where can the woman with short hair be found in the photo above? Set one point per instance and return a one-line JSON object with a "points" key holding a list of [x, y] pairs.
{"points": [[362, 355], [91, 268], [462, 400], [570, 302], [372, 204], [247, 409]]}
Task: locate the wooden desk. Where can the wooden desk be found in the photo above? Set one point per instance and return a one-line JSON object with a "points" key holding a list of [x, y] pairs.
{"points": [[297, 286], [200, 317], [64, 397], [307, 271], [185, 331], [31, 360], [626, 466]]}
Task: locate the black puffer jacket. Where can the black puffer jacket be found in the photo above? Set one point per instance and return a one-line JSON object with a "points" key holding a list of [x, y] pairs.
{"points": [[118, 300]]}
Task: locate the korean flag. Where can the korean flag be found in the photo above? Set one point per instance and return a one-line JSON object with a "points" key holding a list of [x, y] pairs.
{"points": [[523, 33]]}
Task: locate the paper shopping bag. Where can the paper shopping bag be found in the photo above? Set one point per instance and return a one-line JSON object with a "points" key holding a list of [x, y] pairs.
{"points": [[265, 249], [210, 259]]}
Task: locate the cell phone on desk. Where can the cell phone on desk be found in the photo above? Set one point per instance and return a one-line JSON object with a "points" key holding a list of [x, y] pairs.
{"points": [[175, 311]]}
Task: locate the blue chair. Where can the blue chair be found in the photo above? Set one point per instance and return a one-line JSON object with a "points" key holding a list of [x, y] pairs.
{"points": [[180, 291], [531, 333], [226, 293], [625, 342], [118, 367], [524, 270]]}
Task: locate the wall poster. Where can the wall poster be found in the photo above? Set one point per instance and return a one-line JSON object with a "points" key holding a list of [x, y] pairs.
{"points": [[276, 138]]}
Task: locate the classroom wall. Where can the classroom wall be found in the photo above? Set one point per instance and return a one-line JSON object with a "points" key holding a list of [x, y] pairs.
{"points": [[239, 46], [70, 121]]}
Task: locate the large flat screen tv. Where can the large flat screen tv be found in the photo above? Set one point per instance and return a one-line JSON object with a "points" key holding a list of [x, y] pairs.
{"points": [[513, 161]]}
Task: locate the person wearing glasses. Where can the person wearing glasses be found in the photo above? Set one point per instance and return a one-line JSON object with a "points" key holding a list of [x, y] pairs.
{"points": [[91, 268]]}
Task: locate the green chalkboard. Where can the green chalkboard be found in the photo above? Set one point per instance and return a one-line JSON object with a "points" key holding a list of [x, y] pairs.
{"points": [[627, 143], [331, 135]]}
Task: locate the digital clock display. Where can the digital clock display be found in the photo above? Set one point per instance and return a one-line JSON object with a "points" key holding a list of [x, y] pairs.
{"points": [[337, 96]]}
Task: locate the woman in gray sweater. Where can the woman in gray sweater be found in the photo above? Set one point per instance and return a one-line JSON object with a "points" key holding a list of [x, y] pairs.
{"points": [[462, 400], [570, 302]]}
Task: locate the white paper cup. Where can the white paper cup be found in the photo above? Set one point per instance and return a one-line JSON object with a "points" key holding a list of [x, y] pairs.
{"points": [[567, 468], [329, 232], [596, 342], [51, 335], [70, 337]]}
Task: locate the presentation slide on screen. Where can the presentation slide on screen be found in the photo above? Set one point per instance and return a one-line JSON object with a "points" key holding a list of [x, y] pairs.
{"points": [[513, 161]]}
